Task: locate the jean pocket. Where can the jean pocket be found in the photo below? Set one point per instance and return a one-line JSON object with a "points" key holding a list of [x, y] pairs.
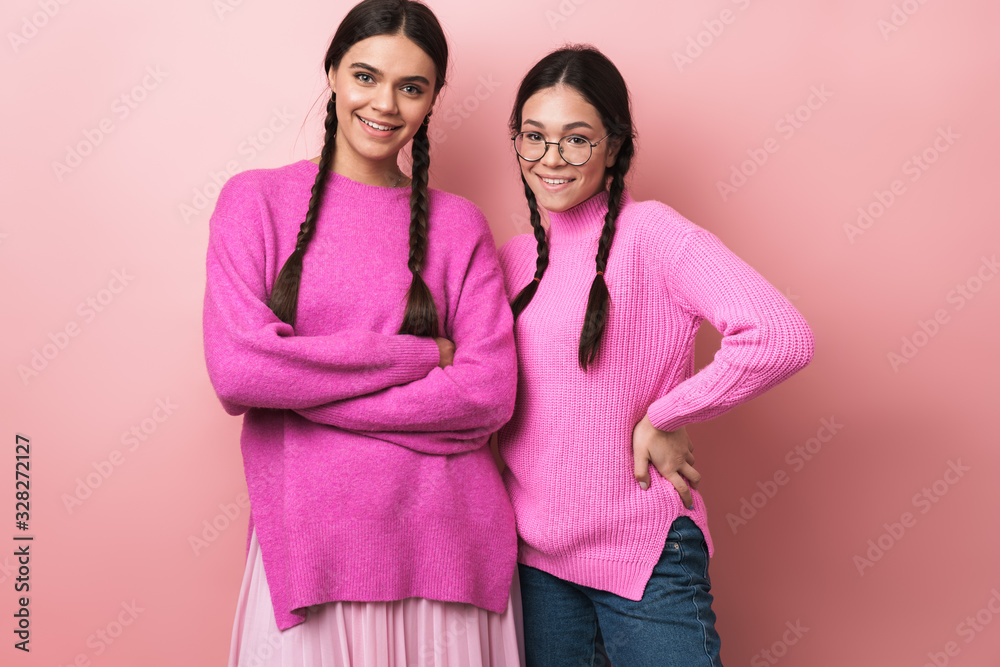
{"points": [[684, 529]]}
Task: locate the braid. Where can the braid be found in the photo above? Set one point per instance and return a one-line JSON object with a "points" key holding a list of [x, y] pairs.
{"points": [[285, 292], [420, 317], [524, 297], [596, 315]]}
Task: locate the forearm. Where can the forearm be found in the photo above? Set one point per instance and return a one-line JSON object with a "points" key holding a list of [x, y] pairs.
{"points": [[765, 339]]}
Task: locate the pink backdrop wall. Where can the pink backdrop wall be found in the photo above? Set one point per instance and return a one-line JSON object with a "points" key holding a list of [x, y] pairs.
{"points": [[857, 502]]}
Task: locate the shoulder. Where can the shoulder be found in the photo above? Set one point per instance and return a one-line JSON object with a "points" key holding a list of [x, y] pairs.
{"points": [[454, 208], [657, 221], [246, 194], [457, 221], [659, 227], [518, 249], [518, 258], [266, 181]]}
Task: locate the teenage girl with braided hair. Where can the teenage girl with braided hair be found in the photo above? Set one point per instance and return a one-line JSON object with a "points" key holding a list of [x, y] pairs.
{"points": [[358, 320], [613, 556]]}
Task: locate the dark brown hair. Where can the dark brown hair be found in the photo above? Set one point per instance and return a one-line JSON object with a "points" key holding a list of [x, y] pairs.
{"points": [[596, 78], [368, 19]]}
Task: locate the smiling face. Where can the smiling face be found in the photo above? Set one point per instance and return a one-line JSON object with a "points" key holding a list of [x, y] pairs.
{"points": [[385, 88], [554, 113]]}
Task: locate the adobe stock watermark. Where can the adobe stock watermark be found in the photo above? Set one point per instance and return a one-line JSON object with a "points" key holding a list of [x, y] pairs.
{"points": [[204, 195], [7, 569], [34, 23], [924, 500], [797, 457], [786, 127], [121, 108], [779, 648], [521, 223], [701, 41], [968, 629], [915, 166], [958, 297], [899, 16], [212, 529], [456, 113], [88, 309], [225, 7], [564, 10], [102, 639], [261, 654], [105, 468]]}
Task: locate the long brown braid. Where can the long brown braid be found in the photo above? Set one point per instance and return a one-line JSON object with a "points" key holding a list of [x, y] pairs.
{"points": [[587, 70], [370, 18]]}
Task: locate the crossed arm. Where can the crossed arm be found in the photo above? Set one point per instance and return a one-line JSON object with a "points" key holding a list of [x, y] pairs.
{"points": [[387, 386], [454, 408]]}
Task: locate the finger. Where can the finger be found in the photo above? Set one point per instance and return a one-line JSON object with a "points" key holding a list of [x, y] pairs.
{"points": [[682, 488], [691, 475], [641, 462]]}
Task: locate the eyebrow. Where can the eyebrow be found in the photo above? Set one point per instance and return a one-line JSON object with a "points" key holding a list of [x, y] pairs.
{"points": [[376, 71], [567, 126]]}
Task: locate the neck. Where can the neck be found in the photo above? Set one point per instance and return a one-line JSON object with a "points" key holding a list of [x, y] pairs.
{"points": [[583, 222], [384, 173]]}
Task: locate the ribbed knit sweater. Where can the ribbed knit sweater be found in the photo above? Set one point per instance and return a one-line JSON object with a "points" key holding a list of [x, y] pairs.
{"points": [[580, 513], [367, 464]]}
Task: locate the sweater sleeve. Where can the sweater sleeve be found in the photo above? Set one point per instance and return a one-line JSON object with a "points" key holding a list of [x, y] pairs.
{"points": [[256, 360], [765, 339], [456, 408]]}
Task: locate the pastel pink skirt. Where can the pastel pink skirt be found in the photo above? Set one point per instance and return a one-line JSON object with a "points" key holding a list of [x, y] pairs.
{"points": [[415, 632]]}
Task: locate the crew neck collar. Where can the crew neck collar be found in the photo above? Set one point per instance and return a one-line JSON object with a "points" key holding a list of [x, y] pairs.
{"points": [[352, 188]]}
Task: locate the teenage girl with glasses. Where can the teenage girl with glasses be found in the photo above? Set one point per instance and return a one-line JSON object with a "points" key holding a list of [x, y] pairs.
{"points": [[357, 319], [613, 556]]}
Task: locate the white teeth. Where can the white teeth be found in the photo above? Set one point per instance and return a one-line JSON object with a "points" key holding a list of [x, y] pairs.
{"points": [[556, 181], [384, 128]]}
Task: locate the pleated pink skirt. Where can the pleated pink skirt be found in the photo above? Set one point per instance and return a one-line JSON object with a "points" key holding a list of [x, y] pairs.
{"points": [[415, 632]]}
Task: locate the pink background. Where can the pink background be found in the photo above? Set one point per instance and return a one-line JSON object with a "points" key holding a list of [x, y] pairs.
{"points": [[255, 71]]}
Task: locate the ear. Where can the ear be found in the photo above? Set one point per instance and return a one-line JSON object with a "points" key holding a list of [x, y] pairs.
{"points": [[614, 145], [332, 78]]}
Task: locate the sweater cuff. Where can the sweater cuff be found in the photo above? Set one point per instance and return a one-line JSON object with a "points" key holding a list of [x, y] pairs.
{"points": [[663, 420], [414, 356]]}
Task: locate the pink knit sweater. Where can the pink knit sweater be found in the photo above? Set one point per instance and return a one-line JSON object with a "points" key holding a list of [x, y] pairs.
{"points": [[568, 448], [367, 465]]}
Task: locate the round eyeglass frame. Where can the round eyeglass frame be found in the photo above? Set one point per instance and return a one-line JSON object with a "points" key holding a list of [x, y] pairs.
{"points": [[559, 145]]}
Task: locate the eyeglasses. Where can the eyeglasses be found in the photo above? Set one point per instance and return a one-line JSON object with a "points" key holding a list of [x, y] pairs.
{"points": [[573, 148]]}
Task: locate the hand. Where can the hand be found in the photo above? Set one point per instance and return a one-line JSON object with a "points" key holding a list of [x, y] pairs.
{"points": [[495, 451], [672, 452], [447, 349]]}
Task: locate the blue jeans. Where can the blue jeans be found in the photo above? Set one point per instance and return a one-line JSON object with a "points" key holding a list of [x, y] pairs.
{"points": [[569, 625]]}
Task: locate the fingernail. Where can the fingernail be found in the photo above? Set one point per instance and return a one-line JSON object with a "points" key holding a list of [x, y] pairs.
{"points": [[691, 507], [643, 486]]}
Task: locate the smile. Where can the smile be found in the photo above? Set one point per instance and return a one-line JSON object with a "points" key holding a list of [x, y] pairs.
{"points": [[381, 128], [556, 181]]}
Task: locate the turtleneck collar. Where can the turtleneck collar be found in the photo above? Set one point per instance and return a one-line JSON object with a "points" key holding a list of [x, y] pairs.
{"points": [[583, 222], [351, 188]]}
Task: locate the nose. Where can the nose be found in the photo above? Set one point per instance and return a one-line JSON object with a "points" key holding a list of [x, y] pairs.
{"points": [[552, 159], [384, 100]]}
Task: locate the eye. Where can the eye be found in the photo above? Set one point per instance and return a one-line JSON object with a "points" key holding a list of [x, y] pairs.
{"points": [[412, 90], [576, 140], [364, 77], [532, 136]]}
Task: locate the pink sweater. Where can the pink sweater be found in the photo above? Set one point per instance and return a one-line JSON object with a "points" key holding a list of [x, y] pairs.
{"points": [[568, 448], [367, 465]]}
